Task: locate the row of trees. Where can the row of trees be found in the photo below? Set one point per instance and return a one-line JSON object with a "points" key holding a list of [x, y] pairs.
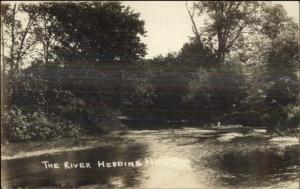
{"points": [[81, 65], [248, 55], [49, 51]]}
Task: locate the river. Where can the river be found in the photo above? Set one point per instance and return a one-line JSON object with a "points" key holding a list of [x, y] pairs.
{"points": [[169, 158]]}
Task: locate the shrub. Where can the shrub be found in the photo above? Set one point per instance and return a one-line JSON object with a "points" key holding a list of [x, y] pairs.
{"points": [[24, 126], [293, 116]]}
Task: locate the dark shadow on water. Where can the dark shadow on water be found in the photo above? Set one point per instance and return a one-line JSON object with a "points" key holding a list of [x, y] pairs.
{"points": [[257, 166], [30, 172]]}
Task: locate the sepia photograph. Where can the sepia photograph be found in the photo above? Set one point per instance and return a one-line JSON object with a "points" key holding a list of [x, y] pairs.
{"points": [[150, 95]]}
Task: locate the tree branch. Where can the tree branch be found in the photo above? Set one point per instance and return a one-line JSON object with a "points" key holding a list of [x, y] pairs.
{"points": [[238, 33], [12, 48], [194, 26]]}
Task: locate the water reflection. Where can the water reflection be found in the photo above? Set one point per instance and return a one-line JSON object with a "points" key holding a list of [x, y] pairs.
{"points": [[256, 165], [179, 158]]}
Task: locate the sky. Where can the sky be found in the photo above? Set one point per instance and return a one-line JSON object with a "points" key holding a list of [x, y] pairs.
{"points": [[168, 24]]}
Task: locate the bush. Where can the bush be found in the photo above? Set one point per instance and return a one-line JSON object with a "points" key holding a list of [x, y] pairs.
{"points": [[24, 126], [293, 116]]}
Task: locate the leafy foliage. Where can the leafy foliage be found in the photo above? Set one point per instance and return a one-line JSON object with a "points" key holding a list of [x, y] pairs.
{"points": [[98, 31], [217, 92], [25, 126]]}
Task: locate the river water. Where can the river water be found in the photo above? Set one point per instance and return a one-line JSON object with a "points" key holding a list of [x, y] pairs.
{"points": [[168, 158]]}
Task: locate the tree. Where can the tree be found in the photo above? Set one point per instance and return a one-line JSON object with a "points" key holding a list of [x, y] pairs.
{"points": [[227, 20], [217, 93], [193, 52], [281, 71], [275, 88], [18, 35], [44, 26], [97, 31]]}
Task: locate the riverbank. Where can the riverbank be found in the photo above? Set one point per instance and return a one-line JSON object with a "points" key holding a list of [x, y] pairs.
{"points": [[31, 149]]}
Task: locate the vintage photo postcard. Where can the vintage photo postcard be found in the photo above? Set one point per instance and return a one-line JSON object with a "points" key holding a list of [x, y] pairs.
{"points": [[150, 94]]}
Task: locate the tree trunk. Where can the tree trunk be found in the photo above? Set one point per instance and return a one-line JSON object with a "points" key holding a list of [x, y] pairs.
{"points": [[22, 42], [12, 48], [221, 48]]}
